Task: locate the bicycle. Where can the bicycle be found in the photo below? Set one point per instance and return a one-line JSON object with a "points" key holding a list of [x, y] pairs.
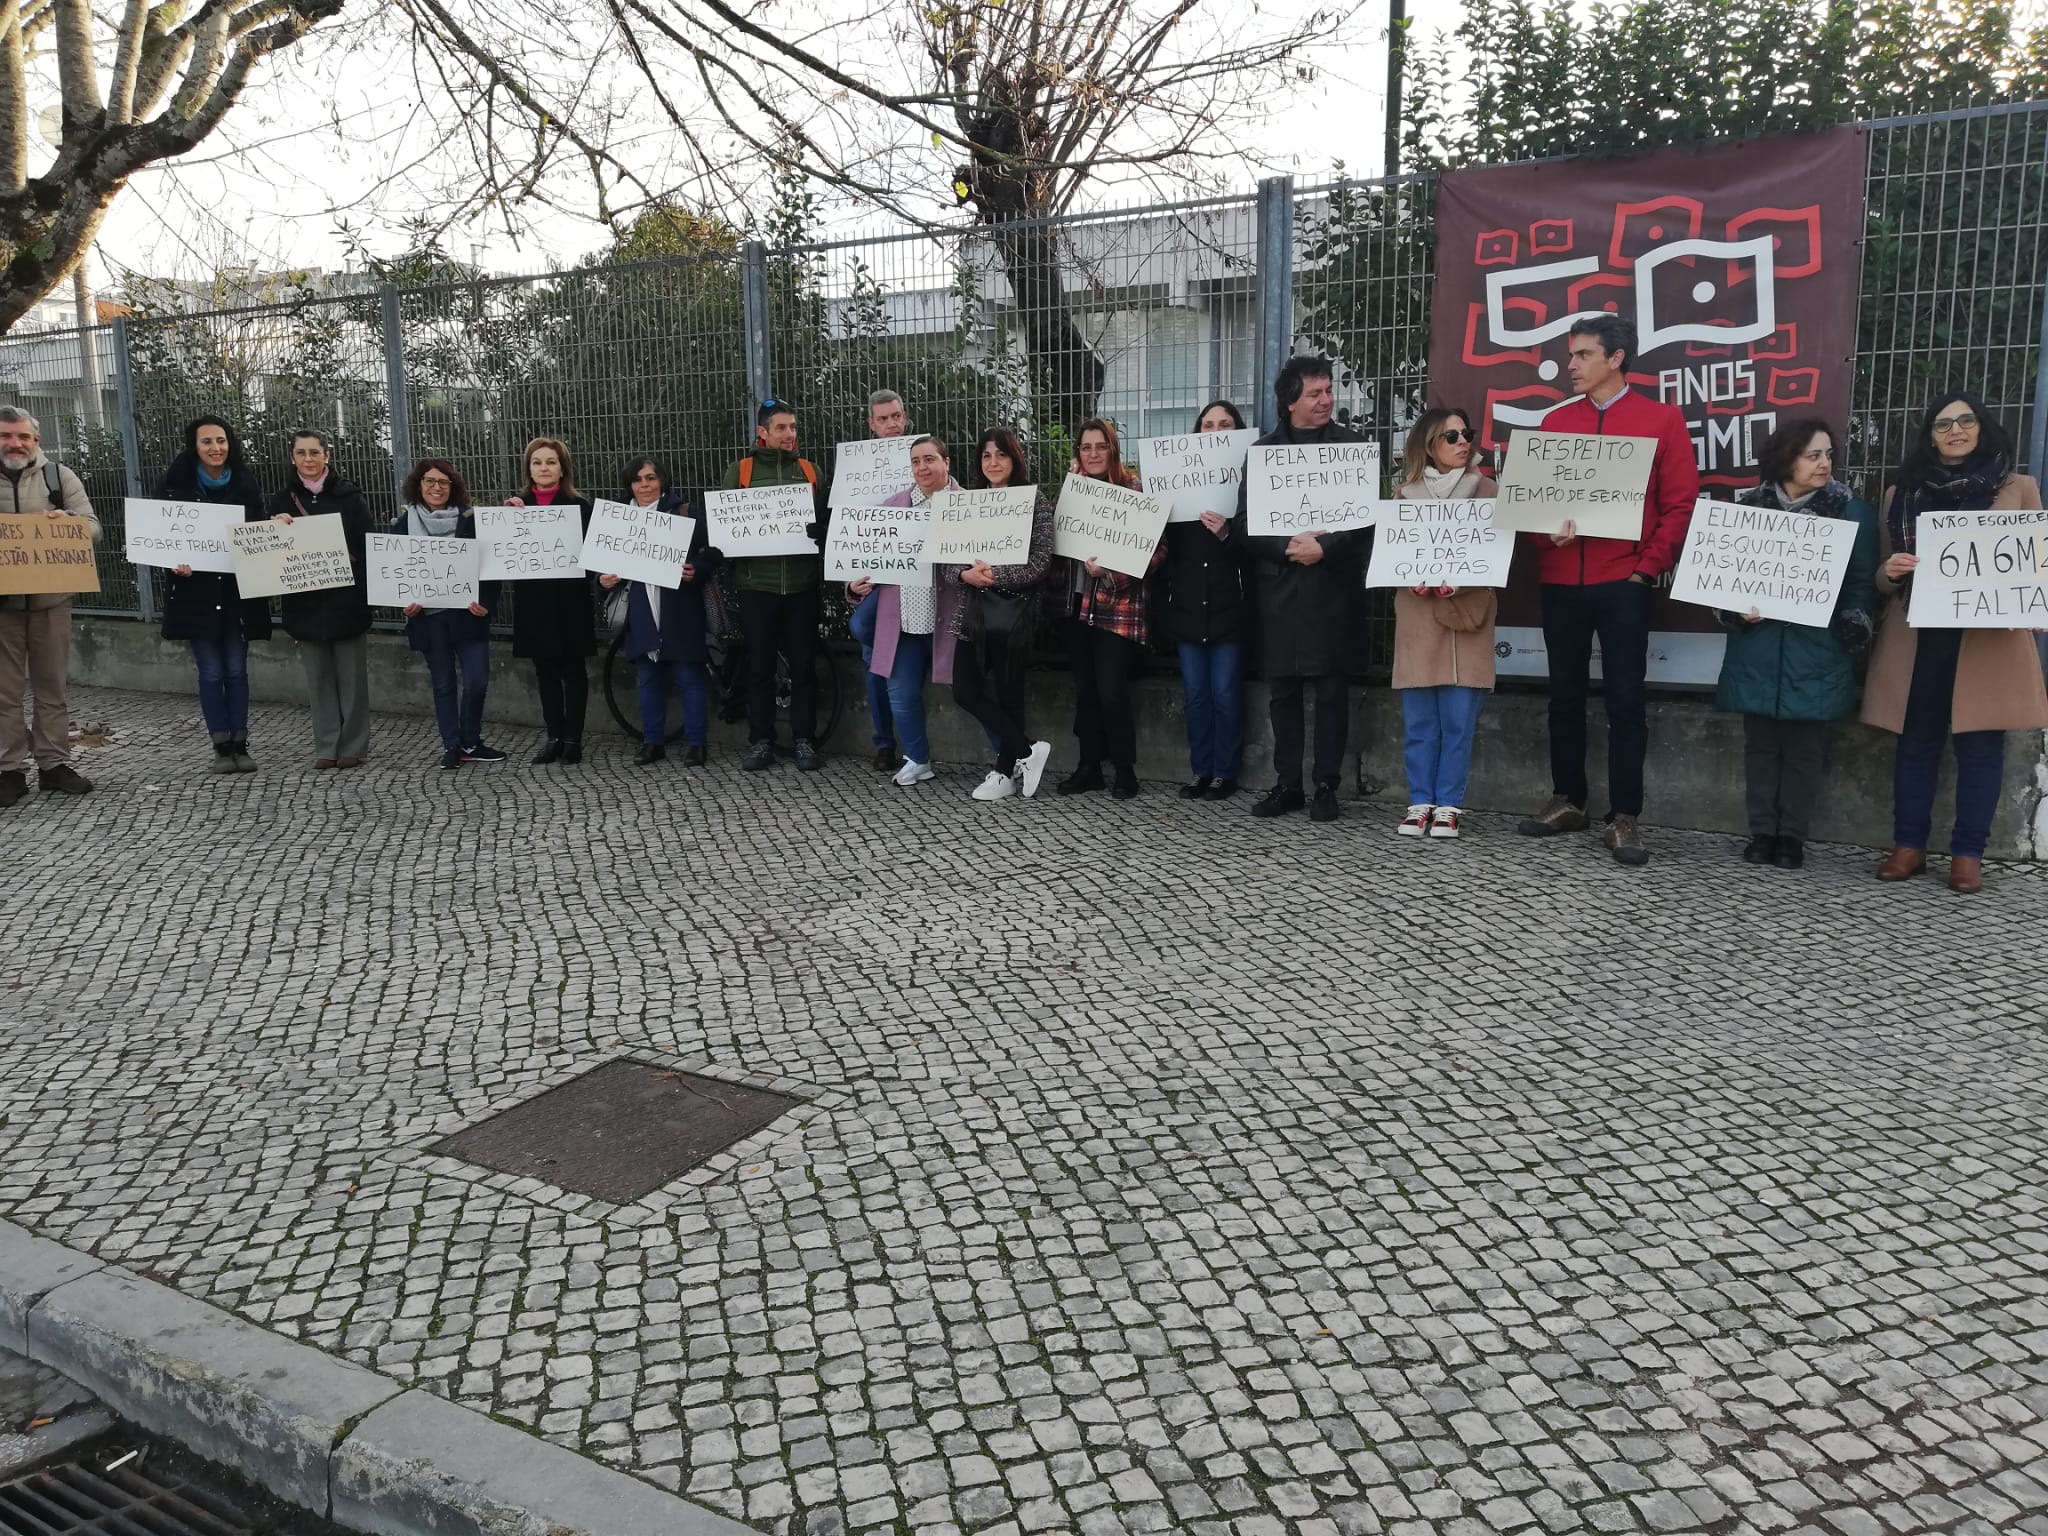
{"points": [[726, 674]]}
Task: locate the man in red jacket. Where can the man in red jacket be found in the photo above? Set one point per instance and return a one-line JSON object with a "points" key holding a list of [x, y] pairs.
{"points": [[1602, 587]]}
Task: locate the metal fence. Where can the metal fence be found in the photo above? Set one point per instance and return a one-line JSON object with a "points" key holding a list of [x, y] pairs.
{"points": [[1139, 315]]}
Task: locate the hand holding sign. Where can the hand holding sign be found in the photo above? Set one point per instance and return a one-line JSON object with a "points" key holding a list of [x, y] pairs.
{"points": [[530, 543], [762, 520], [1293, 488], [1981, 570], [1104, 525], [1575, 485], [1776, 564], [643, 544]]}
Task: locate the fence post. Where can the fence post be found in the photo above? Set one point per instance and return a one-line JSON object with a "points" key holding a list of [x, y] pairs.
{"points": [[399, 407], [754, 302], [1274, 305], [2037, 438], [131, 454]]}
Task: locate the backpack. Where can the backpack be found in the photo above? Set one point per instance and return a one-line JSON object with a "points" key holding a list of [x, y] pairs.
{"points": [[53, 483], [747, 471]]}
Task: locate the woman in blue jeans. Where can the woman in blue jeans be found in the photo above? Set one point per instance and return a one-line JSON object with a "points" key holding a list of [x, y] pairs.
{"points": [[1208, 621], [205, 609], [914, 636], [455, 641], [665, 629]]}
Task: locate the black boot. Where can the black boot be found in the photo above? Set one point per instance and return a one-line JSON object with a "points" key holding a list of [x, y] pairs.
{"points": [[653, 752], [1791, 854], [551, 753], [1083, 779], [1760, 849], [572, 752]]}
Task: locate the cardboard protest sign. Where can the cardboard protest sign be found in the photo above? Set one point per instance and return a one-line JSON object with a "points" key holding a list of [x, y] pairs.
{"points": [[1114, 525], [1785, 565], [884, 544], [308, 554], [1595, 482], [1439, 544], [992, 525], [530, 543], [642, 544], [434, 573], [1980, 570], [41, 554], [1295, 488], [1197, 472], [762, 520], [174, 533], [866, 474]]}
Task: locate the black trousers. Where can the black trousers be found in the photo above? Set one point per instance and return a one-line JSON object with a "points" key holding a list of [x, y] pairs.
{"points": [[1104, 667], [564, 686], [781, 624], [1783, 762], [988, 682], [1290, 730], [1619, 613]]}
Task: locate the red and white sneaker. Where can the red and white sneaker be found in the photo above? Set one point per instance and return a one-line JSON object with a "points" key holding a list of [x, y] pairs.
{"points": [[1416, 822], [1445, 822]]}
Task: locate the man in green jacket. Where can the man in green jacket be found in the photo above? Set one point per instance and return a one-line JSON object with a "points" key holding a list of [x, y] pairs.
{"points": [[779, 598]]}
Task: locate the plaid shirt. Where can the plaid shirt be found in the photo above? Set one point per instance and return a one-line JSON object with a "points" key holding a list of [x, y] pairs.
{"points": [[1112, 601]]}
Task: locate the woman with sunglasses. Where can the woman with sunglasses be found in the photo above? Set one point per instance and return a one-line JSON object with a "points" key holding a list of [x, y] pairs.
{"points": [[1927, 682]]}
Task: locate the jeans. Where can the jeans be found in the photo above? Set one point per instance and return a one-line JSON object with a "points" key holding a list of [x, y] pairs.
{"points": [[1980, 755], [1619, 613], [784, 624], [988, 683], [1104, 665], [1441, 723], [1782, 765], [906, 695], [459, 669], [223, 685], [338, 683], [861, 625], [1212, 681], [564, 685], [1286, 695], [688, 677]]}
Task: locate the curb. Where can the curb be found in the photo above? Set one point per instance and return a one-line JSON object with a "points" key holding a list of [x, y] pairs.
{"points": [[347, 1443]]}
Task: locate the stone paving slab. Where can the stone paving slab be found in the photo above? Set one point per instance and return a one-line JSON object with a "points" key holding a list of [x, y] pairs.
{"points": [[1166, 1170]]}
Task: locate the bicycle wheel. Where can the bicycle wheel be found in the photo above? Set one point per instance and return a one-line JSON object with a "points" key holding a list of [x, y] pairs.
{"points": [[622, 696]]}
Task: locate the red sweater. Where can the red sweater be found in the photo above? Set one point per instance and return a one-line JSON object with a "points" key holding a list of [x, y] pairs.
{"points": [[1667, 509]]}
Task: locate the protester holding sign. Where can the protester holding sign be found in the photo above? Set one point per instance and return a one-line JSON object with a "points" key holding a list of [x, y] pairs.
{"points": [[455, 641], [665, 628], [1598, 586], [1208, 625], [1926, 681], [914, 630], [205, 609], [331, 625], [1106, 638], [1789, 680], [1307, 586], [554, 622], [888, 419], [1443, 637]]}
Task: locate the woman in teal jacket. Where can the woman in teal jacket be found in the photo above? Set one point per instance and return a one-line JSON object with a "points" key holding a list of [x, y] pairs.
{"points": [[1790, 680]]}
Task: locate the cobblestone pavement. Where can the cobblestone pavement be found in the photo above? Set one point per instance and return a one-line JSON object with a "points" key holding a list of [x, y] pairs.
{"points": [[1166, 1169]]}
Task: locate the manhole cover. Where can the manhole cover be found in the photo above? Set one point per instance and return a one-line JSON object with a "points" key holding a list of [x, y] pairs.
{"points": [[73, 1500], [620, 1131]]}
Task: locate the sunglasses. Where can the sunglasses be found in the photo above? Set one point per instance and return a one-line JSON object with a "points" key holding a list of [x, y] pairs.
{"points": [[1456, 435], [1961, 423]]}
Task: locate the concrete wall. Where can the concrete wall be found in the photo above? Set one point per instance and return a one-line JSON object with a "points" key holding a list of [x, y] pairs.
{"points": [[1694, 774]]}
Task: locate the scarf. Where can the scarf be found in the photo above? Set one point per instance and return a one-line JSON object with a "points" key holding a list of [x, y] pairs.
{"points": [[315, 486], [1965, 487], [426, 523], [653, 595], [1440, 482], [1851, 627], [212, 482]]}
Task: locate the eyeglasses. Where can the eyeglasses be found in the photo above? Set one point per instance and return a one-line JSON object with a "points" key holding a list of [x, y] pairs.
{"points": [[436, 480], [1961, 423], [1455, 435]]}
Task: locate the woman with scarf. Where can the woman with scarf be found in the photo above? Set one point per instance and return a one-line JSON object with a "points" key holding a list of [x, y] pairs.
{"points": [[1789, 680], [332, 625], [1208, 620], [205, 608], [665, 629], [914, 628], [554, 621], [1926, 682], [455, 641]]}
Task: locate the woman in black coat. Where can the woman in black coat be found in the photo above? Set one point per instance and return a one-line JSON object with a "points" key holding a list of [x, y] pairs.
{"points": [[1207, 622], [205, 609], [554, 622], [332, 625]]}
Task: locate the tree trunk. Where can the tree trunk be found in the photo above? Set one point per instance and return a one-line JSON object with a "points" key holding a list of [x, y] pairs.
{"points": [[1065, 369]]}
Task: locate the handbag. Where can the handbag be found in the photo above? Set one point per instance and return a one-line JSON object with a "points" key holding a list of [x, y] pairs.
{"points": [[615, 610], [993, 614]]}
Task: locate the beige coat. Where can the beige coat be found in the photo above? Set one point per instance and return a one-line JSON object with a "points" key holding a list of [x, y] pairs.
{"points": [[1441, 641], [27, 493], [1998, 674]]}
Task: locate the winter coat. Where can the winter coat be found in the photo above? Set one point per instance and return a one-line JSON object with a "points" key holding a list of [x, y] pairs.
{"points": [[889, 614], [1445, 641], [781, 573], [333, 613], [680, 635], [1805, 671], [1667, 506], [555, 618], [1306, 612], [433, 628], [207, 605], [28, 491], [1998, 675], [1204, 580]]}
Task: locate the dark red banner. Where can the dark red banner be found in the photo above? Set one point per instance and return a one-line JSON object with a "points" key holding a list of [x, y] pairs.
{"points": [[1738, 265]]}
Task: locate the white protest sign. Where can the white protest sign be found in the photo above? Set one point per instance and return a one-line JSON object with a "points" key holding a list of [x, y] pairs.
{"points": [[1595, 482], [434, 573], [867, 474], [762, 520], [1980, 570], [884, 544], [643, 544], [1113, 525], [991, 525], [1197, 472], [1295, 488], [1439, 544], [308, 554], [175, 533], [530, 543], [1785, 565]]}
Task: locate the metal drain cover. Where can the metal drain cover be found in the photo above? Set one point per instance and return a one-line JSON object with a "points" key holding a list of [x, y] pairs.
{"points": [[620, 1131], [71, 1500]]}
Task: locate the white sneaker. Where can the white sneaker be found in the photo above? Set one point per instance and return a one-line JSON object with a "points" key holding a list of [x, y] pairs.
{"points": [[1033, 766], [997, 786], [1416, 822], [914, 773], [1445, 822]]}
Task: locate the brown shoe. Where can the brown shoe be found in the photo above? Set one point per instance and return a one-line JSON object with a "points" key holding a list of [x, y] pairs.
{"points": [[1903, 864], [323, 762], [348, 762], [1966, 875], [1625, 840], [1558, 816]]}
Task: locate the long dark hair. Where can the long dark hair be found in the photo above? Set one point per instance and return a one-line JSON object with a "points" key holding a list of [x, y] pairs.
{"points": [[1008, 445], [632, 473], [236, 465], [1923, 460], [458, 488], [1236, 416]]}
